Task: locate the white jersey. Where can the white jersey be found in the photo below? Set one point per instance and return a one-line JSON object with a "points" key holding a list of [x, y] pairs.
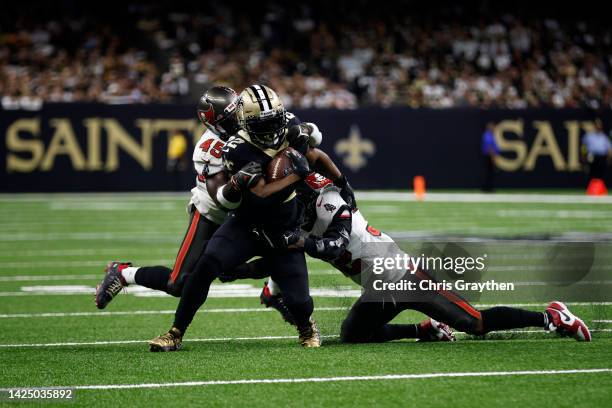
{"points": [[362, 247], [207, 162]]}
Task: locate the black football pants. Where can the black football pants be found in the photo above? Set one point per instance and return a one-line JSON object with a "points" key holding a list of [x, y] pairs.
{"points": [[368, 320], [171, 281], [232, 245]]}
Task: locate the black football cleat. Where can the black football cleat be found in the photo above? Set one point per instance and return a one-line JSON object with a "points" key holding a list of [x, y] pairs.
{"points": [[276, 302], [112, 283], [171, 341]]}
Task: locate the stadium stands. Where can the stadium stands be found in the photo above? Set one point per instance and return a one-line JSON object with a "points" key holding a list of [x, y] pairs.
{"points": [[315, 54]]}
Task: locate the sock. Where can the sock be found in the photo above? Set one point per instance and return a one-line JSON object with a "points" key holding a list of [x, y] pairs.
{"points": [[128, 274], [273, 287], [504, 318], [152, 277]]}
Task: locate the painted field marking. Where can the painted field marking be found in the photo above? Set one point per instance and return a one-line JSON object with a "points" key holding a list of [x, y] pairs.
{"points": [[150, 312], [229, 290], [258, 310], [385, 377], [252, 338]]}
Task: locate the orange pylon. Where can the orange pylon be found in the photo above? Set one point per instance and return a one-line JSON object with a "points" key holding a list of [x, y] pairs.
{"points": [[419, 187]]}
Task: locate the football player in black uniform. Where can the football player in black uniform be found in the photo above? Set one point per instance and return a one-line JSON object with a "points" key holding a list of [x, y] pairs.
{"points": [[266, 130], [216, 109]]}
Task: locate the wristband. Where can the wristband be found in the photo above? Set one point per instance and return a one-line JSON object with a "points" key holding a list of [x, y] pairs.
{"points": [[224, 202]]}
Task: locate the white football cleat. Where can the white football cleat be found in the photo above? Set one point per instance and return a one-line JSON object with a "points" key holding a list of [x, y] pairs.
{"points": [[432, 330], [566, 323]]}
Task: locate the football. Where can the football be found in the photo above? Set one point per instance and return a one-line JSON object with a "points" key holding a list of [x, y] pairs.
{"points": [[280, 166]]}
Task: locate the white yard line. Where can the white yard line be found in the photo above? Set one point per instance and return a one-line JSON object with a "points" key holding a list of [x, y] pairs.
{"points": [[34, 278], [71, 198], [150, 312], [70, 264], [385, 377], [108, 342], [211, 310], [40, 253], [484, 198], [229, 290], [217, 339]]}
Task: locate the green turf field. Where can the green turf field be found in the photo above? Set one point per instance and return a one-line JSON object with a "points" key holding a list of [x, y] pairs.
{"points": [[53, 249]]}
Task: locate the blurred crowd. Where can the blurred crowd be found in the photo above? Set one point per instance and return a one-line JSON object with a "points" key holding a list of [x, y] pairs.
{"points": [[339, 55]]}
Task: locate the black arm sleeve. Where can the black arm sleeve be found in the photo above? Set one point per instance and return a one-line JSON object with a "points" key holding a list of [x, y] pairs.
{"points": [[334, 240]]}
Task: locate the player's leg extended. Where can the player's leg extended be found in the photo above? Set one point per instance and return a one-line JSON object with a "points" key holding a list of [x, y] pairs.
{"points": [[194, 243], [368, 322], [121, 274], [288, 269], [231, 245], [451, 308]]}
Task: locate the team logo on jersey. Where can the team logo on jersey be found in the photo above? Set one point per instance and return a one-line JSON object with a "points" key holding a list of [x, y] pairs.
{"points": [[330, 207], [316, 181]]}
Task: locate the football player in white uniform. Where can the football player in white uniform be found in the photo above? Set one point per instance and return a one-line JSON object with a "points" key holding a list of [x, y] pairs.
{"points": [[341, 236], [217, 111]]}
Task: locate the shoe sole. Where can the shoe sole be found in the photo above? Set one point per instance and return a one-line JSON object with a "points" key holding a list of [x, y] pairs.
{"points": [[159, 349]]}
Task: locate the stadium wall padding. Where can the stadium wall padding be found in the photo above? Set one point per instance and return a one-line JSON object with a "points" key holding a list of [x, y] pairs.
{"points": [[96, 147]]}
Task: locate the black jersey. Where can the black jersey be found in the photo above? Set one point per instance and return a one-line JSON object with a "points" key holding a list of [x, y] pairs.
{"points": [[277, 212]]}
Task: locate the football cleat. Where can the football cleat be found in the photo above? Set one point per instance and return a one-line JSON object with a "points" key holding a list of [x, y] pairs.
{"points": [[171, 341], [276, 302], [310, 335], [564, 322], [432, 330], [112, 283]]}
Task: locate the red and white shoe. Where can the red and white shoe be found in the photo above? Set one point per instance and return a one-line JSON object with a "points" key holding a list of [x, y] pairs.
{"points": [[432, 330], [566, 323]]}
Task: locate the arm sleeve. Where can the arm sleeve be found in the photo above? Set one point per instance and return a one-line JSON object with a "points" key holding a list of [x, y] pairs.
{"points": [[335, 239]]}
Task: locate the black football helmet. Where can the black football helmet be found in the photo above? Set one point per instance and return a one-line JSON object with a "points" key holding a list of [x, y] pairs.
{"points": [[217, 111]]}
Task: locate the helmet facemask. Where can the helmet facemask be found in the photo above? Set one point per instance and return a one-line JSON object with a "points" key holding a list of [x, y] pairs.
{"points": [[262, 115], [269, 129]]}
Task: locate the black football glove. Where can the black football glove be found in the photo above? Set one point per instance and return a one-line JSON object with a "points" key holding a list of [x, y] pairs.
{"points": [[346, 192], [247, 177], [298, 136], [300, 163], [305, 133], [288, 238], [279, 241]]}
